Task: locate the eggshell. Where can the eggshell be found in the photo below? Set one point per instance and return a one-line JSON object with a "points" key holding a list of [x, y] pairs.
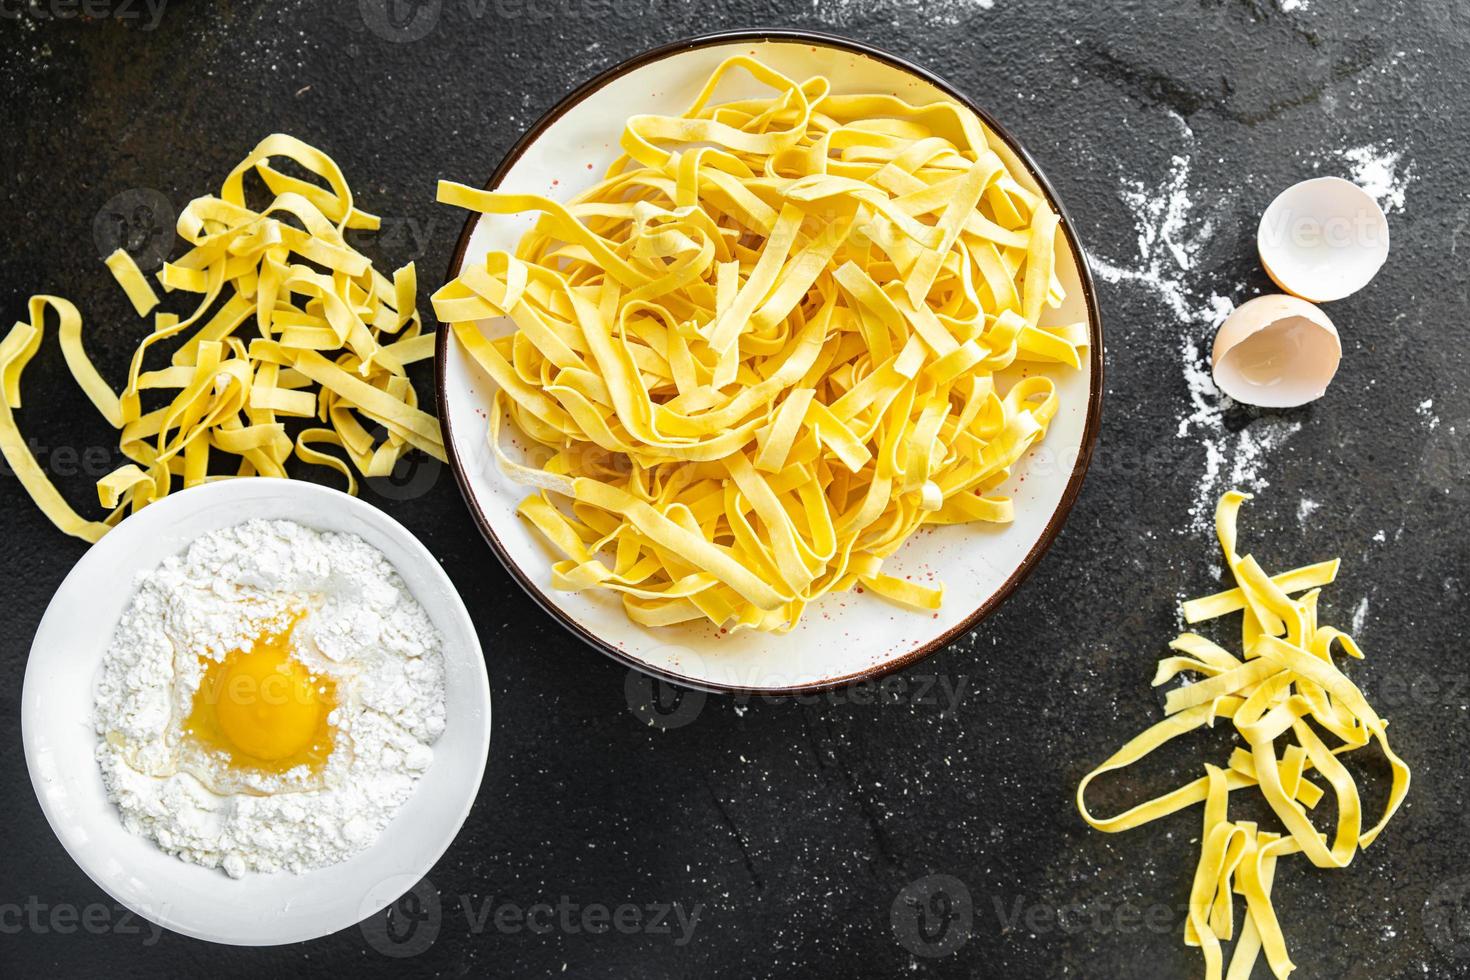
{"points": [[1276, 351], [1323, 239]]}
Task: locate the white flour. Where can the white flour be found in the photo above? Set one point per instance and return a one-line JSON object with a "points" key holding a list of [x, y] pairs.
{"points": [[950, 13], [362, 628], [1375, 168], [1360, 616], [1171, 235]]}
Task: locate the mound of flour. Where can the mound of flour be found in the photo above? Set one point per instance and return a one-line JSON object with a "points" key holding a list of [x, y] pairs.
{"points": [[361, 627]]}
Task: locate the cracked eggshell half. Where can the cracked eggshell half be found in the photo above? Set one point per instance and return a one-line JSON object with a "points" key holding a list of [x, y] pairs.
{"points": [[1276, 352], [1323, 239]]}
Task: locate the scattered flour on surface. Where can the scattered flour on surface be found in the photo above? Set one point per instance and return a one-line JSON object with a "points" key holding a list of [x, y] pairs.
{"points": [[949, 13], [1375, 168], [1170, 237], [1287, 6], [361, 627], [1250, 448], [1426, 412], [1380, 537], [1305, 510], [1360, 616]]}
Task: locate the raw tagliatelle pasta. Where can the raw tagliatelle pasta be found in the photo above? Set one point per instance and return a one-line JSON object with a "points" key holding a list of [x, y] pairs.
{"points": [[1285, 680], [763, 350], [331, 337]]}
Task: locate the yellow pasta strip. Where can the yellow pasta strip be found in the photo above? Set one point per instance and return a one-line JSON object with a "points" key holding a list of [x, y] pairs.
{"points": [[69, 332], [15, 351], [1257, 873], [309, 437], [908, 593], [418, 427], [1233, 600], [1229, 682], [130, 278], [122, 482], [782, 431]]}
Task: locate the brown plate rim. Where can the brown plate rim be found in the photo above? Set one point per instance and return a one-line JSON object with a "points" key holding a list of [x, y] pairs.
{"points": [[1095, 393]]}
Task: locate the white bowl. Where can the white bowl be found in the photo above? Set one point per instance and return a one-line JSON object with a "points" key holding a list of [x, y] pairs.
{"points": [[843, 638], [259, 909]]}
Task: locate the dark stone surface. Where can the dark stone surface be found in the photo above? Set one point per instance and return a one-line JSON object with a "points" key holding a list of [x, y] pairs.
{"points": [[794, 827]]}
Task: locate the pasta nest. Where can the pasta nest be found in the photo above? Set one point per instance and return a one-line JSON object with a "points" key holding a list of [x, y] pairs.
{"points": [[779, 336]]}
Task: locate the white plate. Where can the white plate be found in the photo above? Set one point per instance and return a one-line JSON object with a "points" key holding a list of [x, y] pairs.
{"points": [[259, 909], [842, 638]]}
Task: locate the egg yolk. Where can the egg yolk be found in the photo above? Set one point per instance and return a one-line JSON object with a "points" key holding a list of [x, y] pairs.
{"points": [[264, 709]]}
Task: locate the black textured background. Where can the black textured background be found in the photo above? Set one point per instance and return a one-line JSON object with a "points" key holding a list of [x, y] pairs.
{"points": [[794, 827]]}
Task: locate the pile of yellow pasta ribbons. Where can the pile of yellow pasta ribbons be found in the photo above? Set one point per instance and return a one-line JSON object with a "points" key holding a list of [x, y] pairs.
{"points": [[331, 339], [764, 349], [1285, 679]]}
